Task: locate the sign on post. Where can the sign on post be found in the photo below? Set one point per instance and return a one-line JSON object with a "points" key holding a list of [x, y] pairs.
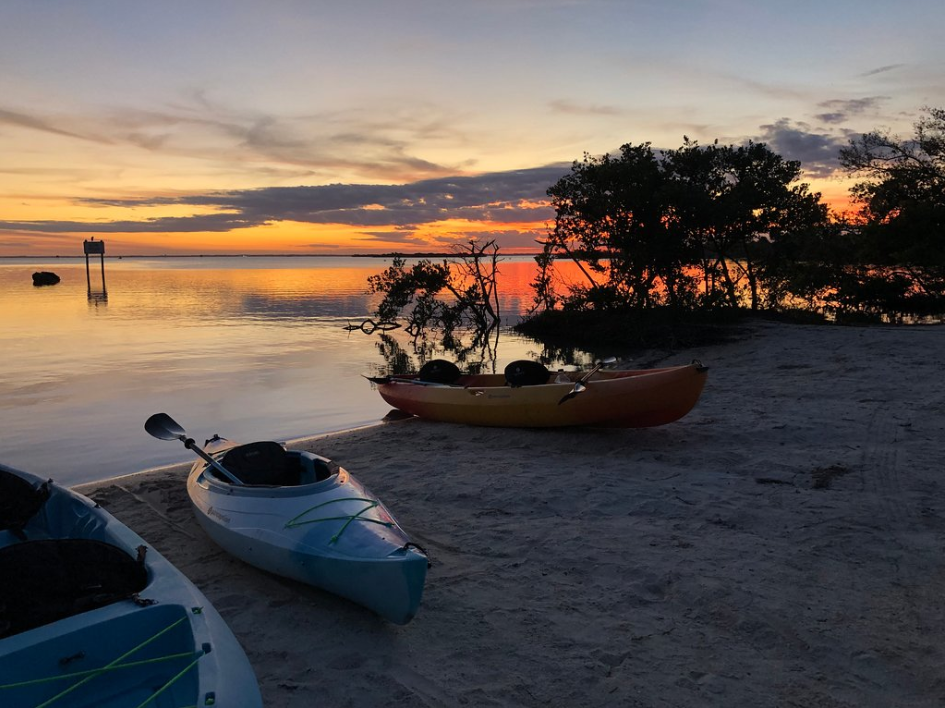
{"points": [[94, 247]]}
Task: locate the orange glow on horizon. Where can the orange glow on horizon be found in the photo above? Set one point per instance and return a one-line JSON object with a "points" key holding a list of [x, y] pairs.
{"points": [[835, 193], [290, 237], [287, 237]]}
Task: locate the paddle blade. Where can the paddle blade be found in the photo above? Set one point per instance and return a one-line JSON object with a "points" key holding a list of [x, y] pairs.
{"points": [[163, 427], [578, 388]]}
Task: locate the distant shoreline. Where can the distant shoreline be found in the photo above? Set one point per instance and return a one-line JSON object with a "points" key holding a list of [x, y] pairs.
{"points": [[267, 255]]}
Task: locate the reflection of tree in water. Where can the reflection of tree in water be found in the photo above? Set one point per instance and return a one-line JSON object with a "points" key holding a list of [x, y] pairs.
{"points": [[476, 353], [551, 353], [473, 352], [397, 360]]}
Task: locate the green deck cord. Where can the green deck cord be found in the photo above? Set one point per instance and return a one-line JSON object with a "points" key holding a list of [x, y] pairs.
{"points": [[116, 667], [108, 667], [171, 682], [372, 503]]}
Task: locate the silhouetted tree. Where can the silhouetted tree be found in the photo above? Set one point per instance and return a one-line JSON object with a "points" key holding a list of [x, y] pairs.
{"points": [[732, 203], [612, 220], [640, 227], [902, 199]]}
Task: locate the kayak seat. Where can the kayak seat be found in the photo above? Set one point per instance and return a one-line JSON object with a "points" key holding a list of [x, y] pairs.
{"points": [[19, 502], [260, 463], [526, 373], [439, 371], [311, 469], [48, 580]]}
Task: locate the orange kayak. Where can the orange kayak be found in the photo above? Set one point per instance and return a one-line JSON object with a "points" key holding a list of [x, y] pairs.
{"points": [[613, 399]]}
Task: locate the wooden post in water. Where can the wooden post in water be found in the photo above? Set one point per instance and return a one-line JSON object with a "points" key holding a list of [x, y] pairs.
{"points": [[92, 247]]}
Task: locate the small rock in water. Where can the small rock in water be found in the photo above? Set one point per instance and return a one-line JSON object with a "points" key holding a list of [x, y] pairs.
{"points": [[45, 278]]}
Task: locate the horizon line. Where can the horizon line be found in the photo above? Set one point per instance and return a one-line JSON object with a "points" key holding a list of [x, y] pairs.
{"points": [[393, 254]]}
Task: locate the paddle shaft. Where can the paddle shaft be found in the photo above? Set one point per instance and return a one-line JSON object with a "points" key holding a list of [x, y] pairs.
{"points": [[395, 379], [587, 376], [191, 445], [401, 379]]}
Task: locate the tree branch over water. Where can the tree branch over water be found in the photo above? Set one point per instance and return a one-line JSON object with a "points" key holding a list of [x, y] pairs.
{"points": [[442, 296]]}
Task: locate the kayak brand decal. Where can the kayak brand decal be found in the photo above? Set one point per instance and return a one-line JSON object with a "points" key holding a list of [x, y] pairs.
{"points": [[222, 517]]}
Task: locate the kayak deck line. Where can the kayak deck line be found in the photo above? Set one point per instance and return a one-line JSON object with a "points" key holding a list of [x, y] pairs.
{"points": [[113, 665], [103, 669], [372, 504]]}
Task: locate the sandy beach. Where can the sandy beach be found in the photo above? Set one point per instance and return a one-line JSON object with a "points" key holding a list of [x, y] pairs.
{"points": [[782, 545]]}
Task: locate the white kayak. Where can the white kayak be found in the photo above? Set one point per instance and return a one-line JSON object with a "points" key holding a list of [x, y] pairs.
{"points": [[298, 515], [92, 617]]}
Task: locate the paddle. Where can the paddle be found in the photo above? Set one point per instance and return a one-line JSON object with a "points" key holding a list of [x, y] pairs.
{"points": [[580, 385], [397, 379], [163, 427]]}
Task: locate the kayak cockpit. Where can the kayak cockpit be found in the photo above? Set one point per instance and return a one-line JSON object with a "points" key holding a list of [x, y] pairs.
{"points": [[269, 464], [47, 580], [20, 501]]}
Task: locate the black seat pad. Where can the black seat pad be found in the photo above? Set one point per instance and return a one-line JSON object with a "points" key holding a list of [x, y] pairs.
{"points": [[260, 463], [439, 371], [48, 580], [526, 373]]}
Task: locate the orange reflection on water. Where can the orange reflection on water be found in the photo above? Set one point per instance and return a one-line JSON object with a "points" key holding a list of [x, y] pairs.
{"points": [[251, 348]]}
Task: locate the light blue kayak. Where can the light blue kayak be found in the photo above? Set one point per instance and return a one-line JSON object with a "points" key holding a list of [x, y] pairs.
{"points": [[92, 617], [298, 515]]}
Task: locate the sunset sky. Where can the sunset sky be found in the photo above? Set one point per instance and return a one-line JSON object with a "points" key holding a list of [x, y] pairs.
{"points": [[308, 126]]}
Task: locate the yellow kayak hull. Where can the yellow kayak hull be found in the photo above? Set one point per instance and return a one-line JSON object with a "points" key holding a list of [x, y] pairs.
{"points": [[615, 399]]}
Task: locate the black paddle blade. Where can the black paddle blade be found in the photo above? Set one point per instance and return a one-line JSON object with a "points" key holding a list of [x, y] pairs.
{"points": [[163, 427]]}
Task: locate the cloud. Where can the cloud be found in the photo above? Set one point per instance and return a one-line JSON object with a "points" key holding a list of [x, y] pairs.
{"points": [[883, 69], [375, 145], [188, 224], [514, 196], [400, 235], [817, 152], [30, 122], [840, 111], [571, 108]]}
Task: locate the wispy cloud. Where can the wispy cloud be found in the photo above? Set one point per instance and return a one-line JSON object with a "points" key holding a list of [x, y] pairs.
{"points": [[590, 109], [19, 119], [883, 69], [379, 144]]}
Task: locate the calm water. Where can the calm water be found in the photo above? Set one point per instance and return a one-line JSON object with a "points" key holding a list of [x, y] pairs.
{"points": [[250, 348]]}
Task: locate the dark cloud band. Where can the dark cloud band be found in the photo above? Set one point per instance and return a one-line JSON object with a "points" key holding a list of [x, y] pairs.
{"points": [[514, 196]]}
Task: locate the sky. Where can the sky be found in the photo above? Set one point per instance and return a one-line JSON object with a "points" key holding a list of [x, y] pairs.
{"points": [[371, 126]]}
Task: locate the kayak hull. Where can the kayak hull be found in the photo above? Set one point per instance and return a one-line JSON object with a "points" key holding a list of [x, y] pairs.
{"points": [[616, 399], [333, 534], [166, 645]]}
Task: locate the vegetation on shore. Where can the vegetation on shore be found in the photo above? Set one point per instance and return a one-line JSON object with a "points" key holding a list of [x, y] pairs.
{"points": [[669, 245]]}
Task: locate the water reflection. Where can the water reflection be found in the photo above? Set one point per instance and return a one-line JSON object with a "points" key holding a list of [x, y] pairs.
{"points": [[251, 348], [474, 352]]}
